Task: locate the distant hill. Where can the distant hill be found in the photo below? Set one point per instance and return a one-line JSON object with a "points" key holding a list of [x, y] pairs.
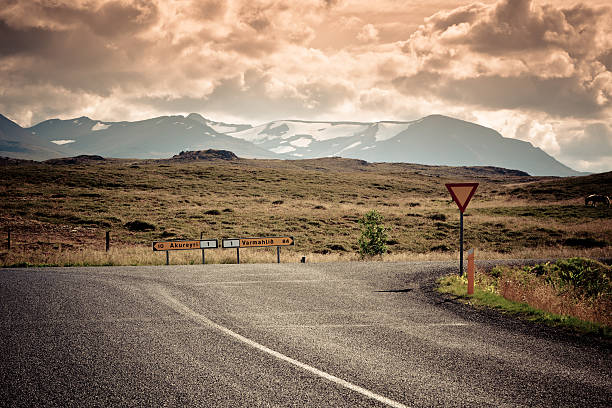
{"points": [[19, 143], [433, 140]]}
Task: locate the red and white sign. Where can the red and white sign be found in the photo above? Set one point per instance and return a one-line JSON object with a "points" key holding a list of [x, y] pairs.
{"points": [[462, 193]]}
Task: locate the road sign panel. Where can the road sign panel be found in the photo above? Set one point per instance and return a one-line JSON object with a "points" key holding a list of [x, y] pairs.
{"points": [[209, 243], [257, 242], [265, 242], [462, 193], [231, 243], [183, 245]]}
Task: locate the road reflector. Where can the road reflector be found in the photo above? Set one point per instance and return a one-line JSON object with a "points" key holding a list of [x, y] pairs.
{"points": [[462, 193]]}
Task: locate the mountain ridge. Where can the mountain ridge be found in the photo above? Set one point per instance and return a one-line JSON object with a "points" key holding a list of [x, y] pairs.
{"points": [[434, 139]]}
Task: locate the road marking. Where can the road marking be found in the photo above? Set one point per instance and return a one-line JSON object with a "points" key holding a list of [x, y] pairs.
{"points": [[182, 309]]}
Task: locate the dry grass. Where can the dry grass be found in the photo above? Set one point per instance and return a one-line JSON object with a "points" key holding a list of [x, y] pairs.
{"points": [[59, 214], [536, 292]]}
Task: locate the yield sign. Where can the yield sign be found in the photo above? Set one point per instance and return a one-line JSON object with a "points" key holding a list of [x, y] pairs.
{"points": [[462, 193]]}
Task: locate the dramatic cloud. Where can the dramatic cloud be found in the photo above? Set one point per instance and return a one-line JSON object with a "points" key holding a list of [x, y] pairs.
{"points": [[533, 70]]}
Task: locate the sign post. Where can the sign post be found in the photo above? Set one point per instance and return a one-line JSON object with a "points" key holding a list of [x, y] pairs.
{"points": [[184, 245], [470, 272], [461, 193], [257, 242]]}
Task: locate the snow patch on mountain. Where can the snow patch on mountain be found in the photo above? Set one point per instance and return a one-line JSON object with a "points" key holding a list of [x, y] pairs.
{"points": [[301, 142], [319, 131], [283, 149], [387, 130], [62, 141], [100, 126], [349, 147]]}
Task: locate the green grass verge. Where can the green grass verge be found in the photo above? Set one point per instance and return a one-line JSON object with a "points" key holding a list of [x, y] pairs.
{"points": [[457, 286]]}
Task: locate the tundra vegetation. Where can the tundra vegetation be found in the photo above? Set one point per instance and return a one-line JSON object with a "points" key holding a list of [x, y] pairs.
{"points": [[574, 292], [59, 212]]}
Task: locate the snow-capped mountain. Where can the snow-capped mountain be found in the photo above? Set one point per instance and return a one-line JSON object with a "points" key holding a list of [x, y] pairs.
{"points": [[435, 139], [159, 137], [303, 139]]}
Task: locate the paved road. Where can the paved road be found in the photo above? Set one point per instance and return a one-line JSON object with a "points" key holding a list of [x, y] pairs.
{"points": [[305, 335]]}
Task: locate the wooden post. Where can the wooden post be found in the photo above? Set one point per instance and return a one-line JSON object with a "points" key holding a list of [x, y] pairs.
{"points": [[277, 254], [238, 255], [167, 257], [107, 240], [470, 272]]}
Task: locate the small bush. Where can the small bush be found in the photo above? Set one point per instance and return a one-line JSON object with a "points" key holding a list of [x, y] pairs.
{"points": [[440, 248], [437, 217], [277, 202], [139, 226], [585, 243], [212, 212], [373, 234]]}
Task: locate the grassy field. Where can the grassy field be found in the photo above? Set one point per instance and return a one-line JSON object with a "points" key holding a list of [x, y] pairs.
{"points": [[58, 214]]}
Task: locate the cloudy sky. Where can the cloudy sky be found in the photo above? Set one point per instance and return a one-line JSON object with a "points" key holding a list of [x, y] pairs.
{"points": [[538, 70]]}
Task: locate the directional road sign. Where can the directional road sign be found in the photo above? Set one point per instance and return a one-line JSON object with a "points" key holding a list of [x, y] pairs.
{"points": [[462, 193], [182, 245], [257, 242]]}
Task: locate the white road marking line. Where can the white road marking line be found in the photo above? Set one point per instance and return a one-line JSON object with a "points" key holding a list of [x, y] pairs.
{"points": [[264, 282], [186, 311]]}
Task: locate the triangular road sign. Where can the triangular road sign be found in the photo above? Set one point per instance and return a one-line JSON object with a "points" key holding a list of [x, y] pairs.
{"points": [[462, 193]]}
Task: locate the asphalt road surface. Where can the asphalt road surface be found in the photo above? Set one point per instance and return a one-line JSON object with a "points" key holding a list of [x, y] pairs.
{"points": [[289, 335]]}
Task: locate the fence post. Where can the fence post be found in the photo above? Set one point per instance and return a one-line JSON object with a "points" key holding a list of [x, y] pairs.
{"points": [[107, 240]]}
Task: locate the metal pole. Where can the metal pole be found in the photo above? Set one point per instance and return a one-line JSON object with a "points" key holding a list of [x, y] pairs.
{"points": [[203, 256], [238, 255], [107, 240], [461, 245], [167, 257], [278, 254]]}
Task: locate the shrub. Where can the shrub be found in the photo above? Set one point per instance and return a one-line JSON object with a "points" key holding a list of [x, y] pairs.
{"points": [[373, 238], [212, 212], [437, 217], [138, 225]]}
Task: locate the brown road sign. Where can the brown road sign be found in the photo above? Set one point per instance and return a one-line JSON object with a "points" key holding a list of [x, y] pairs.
{"points": [[265, 242], [462, 193], [182, 245]]}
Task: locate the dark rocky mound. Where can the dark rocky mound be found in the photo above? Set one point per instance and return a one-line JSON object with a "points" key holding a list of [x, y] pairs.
{"points": [[84, 158], [497, 170], [210, 154]]}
